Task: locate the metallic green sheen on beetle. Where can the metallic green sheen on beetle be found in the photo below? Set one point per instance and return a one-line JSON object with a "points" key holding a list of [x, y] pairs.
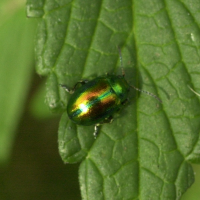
{"points": [[97, 100]]}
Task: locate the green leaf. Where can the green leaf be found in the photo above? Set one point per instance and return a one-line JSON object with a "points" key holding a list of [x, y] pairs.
{"points": [[145, 152], [16, 68]]}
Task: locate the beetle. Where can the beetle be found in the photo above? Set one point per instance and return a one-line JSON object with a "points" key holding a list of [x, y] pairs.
{"points": [[95, 101]]}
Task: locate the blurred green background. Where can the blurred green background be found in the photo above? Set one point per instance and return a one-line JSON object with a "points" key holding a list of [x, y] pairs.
{"points": [[30, 166]]}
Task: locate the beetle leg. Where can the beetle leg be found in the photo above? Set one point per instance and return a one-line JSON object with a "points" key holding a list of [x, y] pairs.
{"points": [[96, 130], [124, 102], [71, 91], [96, 127], [66, 88], [108, 120]]}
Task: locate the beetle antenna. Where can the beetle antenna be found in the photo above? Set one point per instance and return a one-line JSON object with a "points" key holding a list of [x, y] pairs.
{"points": [[123, 74], [146, 92], [121, 61]]}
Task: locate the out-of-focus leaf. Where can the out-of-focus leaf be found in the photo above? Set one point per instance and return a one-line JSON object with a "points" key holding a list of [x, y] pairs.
{"points": [[16, 67], [38, 108], [193, 193]]}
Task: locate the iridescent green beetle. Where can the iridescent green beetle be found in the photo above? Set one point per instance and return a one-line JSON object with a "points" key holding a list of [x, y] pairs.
{"points": [[95, 102]]}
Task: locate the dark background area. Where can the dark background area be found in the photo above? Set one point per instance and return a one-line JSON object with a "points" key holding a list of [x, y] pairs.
{"points": [[35, 170]]}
